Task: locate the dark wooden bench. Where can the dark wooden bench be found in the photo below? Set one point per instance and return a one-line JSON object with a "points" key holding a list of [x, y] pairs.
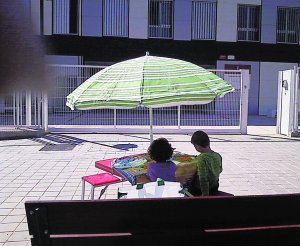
{"points": [[223, 220]]}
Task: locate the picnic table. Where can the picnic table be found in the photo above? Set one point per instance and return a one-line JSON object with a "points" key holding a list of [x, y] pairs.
{"points": [[133, 168], [158, 189]]}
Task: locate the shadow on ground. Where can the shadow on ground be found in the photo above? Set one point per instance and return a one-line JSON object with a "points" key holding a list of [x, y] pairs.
{"points": [[61, 142]]}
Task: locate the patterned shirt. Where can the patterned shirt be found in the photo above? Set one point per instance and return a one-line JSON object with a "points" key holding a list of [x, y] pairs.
{"points": [[209, 167]]}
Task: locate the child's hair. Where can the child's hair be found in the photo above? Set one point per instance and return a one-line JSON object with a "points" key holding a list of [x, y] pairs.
{"points": [[200, 138], [160, 150]]}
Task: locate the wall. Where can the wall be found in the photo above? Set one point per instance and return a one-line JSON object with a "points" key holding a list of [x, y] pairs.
{"points": [[63, 60], [269, 85], [47, 17], [227, 18], [35, 15], [262, 97], [138, 19], [92, 18], [182, 19], [269, 18]]}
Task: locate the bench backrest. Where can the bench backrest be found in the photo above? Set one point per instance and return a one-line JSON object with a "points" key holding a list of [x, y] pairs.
{"points": [[240, 220]]}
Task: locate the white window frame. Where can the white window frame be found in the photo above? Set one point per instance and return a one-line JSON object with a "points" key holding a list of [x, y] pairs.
{"points": [[249, 29], [116, 18], [204, 20], [61, 17], [161, 29], [287, 30]]}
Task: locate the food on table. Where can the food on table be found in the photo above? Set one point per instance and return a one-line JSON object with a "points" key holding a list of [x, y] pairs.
{"points": [[127, 162]]}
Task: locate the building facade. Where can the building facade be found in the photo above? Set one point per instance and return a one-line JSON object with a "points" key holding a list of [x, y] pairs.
{"points": [[259, 35]]}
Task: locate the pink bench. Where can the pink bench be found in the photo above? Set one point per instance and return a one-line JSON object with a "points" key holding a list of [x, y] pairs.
{"points": [[97, 180], [105, 165]]}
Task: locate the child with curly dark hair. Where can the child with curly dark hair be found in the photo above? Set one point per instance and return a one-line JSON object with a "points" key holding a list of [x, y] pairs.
{"points": [[161, 152]]}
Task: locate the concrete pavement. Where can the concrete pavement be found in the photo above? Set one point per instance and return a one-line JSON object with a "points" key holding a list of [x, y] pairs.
{"points": [[51, 168]]}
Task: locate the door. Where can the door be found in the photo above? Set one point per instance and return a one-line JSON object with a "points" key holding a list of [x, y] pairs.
{"points": [[285, 102]]}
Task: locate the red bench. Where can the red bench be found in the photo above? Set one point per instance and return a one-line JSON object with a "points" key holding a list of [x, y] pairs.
{"points": [[238, 220]]}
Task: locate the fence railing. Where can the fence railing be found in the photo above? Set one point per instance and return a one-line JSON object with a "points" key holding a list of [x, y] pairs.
{"points": [[222, 115], [222, 112], [22, 108]]}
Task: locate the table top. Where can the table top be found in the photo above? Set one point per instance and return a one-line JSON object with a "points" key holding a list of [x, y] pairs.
{"points": [[134, 167]]}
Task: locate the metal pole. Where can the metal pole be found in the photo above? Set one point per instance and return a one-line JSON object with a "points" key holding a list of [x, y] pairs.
{"points": [[178, 116], [115, 117], [28, 108], [245, 82], [35, 107], [21, 108], [39, 101], [18, 108], [14, 108], [291, 92], [151, 124], [295, 95], [45, 111], [279, 108]]}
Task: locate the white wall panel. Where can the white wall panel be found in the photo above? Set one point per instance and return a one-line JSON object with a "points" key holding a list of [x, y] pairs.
{"points": [[269, 85], [35, 16], [227, 18], [63, 60], [92, 18], [138, 19], [182, 20], [47, 17], [268, 23]]}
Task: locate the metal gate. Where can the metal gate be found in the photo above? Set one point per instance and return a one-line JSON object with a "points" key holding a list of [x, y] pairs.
{"points": [[288, 102], [23, 114], [227, 114], [22, 108]]}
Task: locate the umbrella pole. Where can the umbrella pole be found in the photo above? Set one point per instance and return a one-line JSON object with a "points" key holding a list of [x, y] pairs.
{"points": [[151, 124]]}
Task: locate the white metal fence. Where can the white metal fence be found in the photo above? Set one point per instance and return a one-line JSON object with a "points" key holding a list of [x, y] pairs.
{"points": [[226, 114], [296, 122], [222, 114], [21, 108]]}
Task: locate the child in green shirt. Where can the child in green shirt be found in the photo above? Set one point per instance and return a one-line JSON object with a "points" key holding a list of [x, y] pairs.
{"points": [[209, 166]]}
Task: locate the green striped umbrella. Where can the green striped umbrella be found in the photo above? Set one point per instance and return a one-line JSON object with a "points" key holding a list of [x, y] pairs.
{"points": [[149, 81]]}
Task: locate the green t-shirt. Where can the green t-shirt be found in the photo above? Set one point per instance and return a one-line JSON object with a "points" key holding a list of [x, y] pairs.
{"points": [[209, 167]]}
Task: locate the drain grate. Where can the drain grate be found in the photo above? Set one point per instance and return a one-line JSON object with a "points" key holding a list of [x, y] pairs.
{"points": [[58, 147]]}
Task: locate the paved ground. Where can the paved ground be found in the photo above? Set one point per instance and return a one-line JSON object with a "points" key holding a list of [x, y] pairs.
{"points": [[258, 163]]}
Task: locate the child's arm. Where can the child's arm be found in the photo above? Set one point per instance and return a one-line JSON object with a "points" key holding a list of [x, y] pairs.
{"points": [[150, 173], [221, 167], [203, 177]]}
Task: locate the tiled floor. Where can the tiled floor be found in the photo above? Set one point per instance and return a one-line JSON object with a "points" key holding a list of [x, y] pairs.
{"points": [[258, 163]]}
